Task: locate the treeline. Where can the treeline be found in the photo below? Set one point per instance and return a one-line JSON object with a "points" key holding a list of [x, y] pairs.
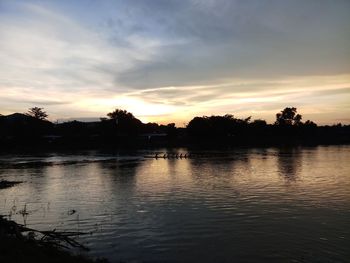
{"points": [[287, 129], [122, 128]]}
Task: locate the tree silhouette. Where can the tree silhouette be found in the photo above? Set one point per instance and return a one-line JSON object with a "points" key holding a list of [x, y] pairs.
{"points": [[258, 123], [125, 121], [171, 129], [309, 123], [219, 126], [288, 117], [119, 114], [37, 113]]}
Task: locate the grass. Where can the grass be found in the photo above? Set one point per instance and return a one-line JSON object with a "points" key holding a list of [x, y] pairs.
{"points": [[6, 184], [17, 248]]}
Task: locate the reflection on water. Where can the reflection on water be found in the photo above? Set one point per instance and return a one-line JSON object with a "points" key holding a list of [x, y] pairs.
{"points": [[245, 205], [289, 162]]}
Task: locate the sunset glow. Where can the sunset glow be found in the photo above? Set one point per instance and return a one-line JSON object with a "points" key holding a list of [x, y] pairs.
{"points": [[84, 60]]}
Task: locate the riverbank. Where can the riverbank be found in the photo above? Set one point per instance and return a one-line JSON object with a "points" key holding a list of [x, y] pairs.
{"points": [[18, 247], [20, 244], [6, 184]]}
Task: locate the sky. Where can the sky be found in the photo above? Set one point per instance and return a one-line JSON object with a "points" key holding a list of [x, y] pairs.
{"points": [[170, 60]]}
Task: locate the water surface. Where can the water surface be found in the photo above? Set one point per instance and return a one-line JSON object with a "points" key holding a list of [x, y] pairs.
{"points": [[243, 205]]}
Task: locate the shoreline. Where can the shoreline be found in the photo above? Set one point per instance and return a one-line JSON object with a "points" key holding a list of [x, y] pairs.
{"points": [[7, 184], [21, 244], [18, 247]]}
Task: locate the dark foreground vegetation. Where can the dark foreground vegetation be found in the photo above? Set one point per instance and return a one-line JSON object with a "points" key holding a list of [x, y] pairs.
{"points": [[18, 244], [6, 184], [122, 129]]}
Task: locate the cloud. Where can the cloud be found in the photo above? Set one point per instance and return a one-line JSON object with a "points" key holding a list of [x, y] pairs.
{"points": [[42, 48], [175, 58], [40, 103], [250, 39]]}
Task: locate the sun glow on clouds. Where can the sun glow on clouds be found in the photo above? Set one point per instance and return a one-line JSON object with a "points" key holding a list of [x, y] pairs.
{"points": [[145, 111], [260, 98], [87, 61]]}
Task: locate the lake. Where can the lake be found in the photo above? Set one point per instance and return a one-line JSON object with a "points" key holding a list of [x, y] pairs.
{"points": [[239, 205]]}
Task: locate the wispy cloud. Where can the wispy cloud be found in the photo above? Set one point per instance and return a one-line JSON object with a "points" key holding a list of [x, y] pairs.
{"points": [[171, 60]]}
